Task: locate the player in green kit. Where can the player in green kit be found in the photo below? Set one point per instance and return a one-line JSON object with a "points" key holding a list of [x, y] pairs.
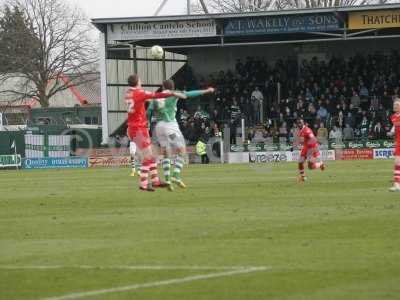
{"points": [[169, 135]]}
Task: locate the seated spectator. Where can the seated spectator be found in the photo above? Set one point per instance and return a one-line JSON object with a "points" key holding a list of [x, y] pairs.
{"points": [[250, 135], [350, 120], [378, 132], [258, 136], [335, 134], [201, 114], [348, 133], [364, 127], [283, 131], [322, 113], [355, 100], [322, 133], [183, 115], [235, 111]]}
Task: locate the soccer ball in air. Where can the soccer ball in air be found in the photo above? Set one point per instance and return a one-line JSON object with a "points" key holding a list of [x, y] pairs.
{"points": [[157, 52]]}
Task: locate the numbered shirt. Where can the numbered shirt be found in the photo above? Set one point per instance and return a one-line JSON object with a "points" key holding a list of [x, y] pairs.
{"points": [[307, 136], [135, 99], [396, 123]]}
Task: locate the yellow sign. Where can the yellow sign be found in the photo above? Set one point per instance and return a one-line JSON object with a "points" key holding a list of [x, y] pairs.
{"points": [[374, 19]]}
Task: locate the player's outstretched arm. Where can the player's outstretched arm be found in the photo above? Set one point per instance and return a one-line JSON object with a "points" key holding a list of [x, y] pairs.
{"points": [[196, 93], [148, 96], [179, 95]]}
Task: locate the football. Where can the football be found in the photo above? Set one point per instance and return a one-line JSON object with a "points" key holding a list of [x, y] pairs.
{"points": [[157, 52]]}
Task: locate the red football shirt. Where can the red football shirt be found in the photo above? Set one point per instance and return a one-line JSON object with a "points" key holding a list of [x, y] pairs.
{"points": [[308, 136], [396, 123], [136, 98]]}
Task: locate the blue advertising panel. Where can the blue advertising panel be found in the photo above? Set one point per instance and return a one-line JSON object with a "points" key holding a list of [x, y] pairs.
{"points": [[282, 24], [55, 163]]}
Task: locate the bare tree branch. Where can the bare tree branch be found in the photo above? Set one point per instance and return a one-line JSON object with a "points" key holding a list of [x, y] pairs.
{"points": [[62, 47], [232, 6]]}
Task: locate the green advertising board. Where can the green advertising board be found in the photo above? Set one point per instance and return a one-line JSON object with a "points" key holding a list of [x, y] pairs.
{"points": [[261, 147], [7, 161]]}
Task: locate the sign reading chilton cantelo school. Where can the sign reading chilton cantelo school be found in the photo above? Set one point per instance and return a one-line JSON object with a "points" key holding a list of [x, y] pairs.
{"points": [[374, 19], [161, 30], [282, 24]]}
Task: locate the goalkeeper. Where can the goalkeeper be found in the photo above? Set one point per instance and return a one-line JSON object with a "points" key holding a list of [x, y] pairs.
{"points": [[169, 135]]}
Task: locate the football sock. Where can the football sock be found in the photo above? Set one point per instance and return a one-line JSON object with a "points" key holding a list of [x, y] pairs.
{"points": [[144, 174], [166, 164], [179, 161], [301, 169], [133, 164], [397, 173], [154, 173]]}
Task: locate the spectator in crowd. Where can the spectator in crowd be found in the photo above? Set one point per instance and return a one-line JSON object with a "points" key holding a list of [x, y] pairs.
{"points": [[348, 133], [378, 131], [335, 134], [235, 111], [256, 109], [283, 131], [201, 114], [322, 113], [258, 136], [350, 120], [183, 115], [322, 133], [364, 127], [257, 97], [355, 100]]}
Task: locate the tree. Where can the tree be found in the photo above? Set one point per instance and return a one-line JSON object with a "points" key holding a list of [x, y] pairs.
{"points": [[233, 6], [58, 47], [14, 24]]}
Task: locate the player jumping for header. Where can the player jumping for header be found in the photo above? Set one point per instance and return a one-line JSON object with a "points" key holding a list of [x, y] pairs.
{"points": [[395, 118], [138, 131], [310, 150], [168, 133]]}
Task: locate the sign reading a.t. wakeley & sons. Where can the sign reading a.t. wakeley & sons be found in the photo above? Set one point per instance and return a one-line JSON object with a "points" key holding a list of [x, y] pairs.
{"points": [[282, 24], [158, 30]]}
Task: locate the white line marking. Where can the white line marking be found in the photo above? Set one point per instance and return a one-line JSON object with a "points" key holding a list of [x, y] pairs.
{"points": [[157, 283], [132, 267]]}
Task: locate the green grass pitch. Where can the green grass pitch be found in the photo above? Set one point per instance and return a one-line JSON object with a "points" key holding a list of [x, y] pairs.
{"points": [[67, 233]]}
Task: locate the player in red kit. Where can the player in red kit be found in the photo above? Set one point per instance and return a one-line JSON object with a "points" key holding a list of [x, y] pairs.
{"points": [[138, 131], [310, 150], [395, 118]]}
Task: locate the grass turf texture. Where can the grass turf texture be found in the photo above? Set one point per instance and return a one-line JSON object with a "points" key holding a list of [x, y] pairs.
{"points": [[335, 237]]}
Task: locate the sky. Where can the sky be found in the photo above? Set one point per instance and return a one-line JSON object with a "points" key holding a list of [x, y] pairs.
{"points": [[128, 8]]}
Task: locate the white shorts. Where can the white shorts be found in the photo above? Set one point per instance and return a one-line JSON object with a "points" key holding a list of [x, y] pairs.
{"points": [[132, 148], [169, 135]]}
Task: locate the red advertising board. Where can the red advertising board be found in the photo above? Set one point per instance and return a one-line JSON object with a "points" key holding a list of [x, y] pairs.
{"points": [[109, 161], [102, 152], [354, 154]]}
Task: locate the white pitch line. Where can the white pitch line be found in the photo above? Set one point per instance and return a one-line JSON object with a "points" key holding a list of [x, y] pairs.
{"points": [[128, 267], [93, 293]]}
